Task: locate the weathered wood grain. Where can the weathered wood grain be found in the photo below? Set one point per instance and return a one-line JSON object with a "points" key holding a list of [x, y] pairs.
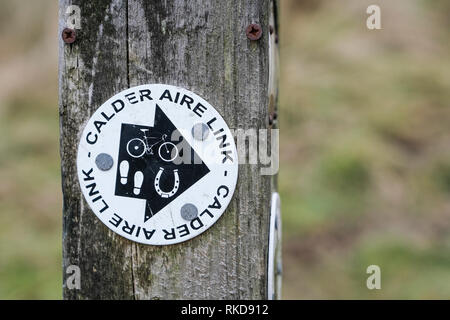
{"points": [[201, 46]]}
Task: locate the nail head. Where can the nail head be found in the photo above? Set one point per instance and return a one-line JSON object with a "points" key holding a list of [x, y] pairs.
{"points": [[200, 131], [189, 211], [69, 35], [253, 31], [104, 161]]}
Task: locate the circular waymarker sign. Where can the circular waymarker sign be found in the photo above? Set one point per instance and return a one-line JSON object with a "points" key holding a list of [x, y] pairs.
{"points": [[157, 164]]}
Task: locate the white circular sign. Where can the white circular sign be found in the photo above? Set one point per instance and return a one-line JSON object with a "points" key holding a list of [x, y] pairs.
{"points": [[157, 164]]}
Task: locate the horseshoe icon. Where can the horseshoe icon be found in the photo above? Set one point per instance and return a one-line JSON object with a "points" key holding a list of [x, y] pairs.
{"points": [[176, 184]]}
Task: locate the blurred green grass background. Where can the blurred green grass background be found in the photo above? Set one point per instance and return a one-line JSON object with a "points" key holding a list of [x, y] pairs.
{"points": [[365, 149]]}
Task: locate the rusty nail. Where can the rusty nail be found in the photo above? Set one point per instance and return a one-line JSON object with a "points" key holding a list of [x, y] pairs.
{"points": [[69, 35], [270, 119], [253, 31], [271, 29]]}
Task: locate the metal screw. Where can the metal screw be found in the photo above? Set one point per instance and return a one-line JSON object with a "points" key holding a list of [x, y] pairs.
{"points": [[253, 31], [189, 211], [104, 161], [200, 131], [69, 35]]}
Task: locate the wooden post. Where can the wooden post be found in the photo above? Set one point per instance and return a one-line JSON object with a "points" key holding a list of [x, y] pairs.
{"points": [[201, 46]]}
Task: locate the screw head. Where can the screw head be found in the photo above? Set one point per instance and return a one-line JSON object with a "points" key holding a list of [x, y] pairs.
{"points": [[104, 161], [253, 31], [200, 131], [189, 211], [69, 35]]}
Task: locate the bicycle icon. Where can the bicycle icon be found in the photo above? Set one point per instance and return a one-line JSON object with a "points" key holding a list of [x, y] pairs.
{"points": [[137, 147], [167, 151]]}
